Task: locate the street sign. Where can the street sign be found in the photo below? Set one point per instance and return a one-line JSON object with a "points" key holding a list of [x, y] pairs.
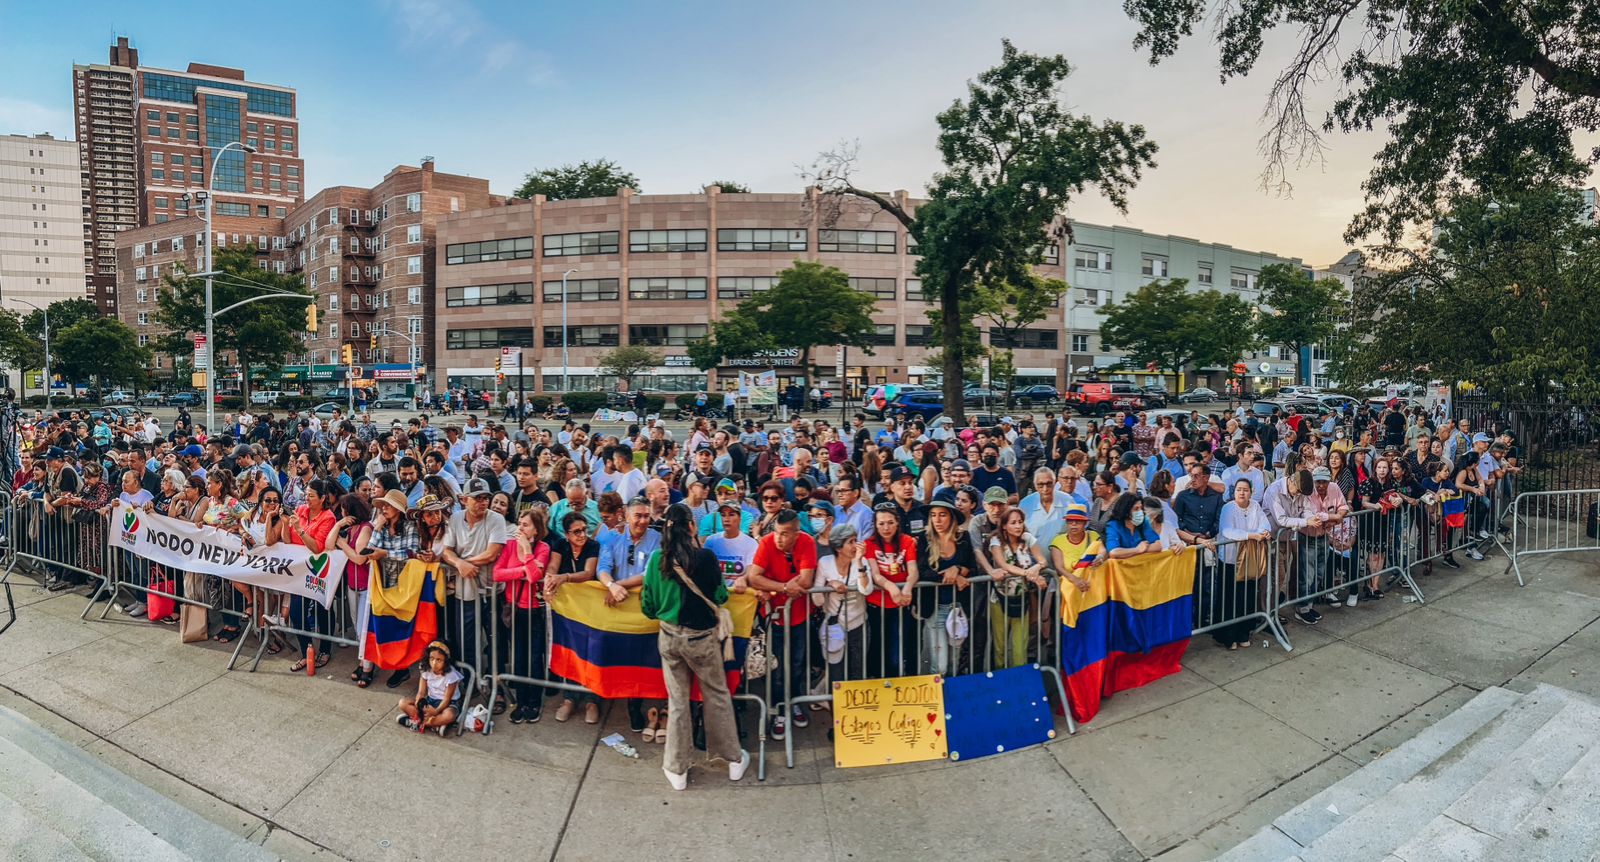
{"points": [[200, 353], [512, 355], [838, 365], [198, 380]]}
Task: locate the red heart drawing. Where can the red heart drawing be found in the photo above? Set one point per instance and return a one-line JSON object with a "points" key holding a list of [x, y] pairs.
{"points": [[932, 716], [938, 732]]}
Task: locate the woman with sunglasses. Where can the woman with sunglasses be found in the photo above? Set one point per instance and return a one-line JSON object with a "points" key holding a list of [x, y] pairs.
{"points": [[574, 557]]}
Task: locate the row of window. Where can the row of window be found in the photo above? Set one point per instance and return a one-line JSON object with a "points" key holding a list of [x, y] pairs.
{"points": [[1153, 266], [685, 240], [683, 334], [666, 288]]}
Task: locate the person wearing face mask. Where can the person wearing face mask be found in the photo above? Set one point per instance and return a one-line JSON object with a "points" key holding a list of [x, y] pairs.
{"points": [[991, 475], [1128, 531]]}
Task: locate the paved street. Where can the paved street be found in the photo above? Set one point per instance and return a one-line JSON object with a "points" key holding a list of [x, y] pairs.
{"points": [[314, 768]]}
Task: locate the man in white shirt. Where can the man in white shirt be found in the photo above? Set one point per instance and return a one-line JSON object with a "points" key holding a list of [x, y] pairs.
{"points": [[473, 538], [627, 481]]}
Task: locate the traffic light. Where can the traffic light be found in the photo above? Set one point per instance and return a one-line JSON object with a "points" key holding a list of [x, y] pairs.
{"points": [[372, 341], [344, 355], [497, 365], [499, 378], [311, 317]]}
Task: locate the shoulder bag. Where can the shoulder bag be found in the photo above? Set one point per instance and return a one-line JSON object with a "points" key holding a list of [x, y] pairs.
{"points": [[724, 617]]}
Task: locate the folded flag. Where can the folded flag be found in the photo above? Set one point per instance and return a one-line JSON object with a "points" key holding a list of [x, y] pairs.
{"points": [[404, 619], [611, 649], [1129, 629], [1453, 506]]}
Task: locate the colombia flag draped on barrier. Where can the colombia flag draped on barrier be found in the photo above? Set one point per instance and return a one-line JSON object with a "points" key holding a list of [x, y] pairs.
{"points": [[1129, 629], [612, 651], [404, 618]]}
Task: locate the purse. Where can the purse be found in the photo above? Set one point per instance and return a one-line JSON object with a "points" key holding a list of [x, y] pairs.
{"points": [[724, 629], [1252, 560], [193, 625]]}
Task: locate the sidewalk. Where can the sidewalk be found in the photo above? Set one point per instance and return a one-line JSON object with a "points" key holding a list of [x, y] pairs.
{"points": [[315, 768]]}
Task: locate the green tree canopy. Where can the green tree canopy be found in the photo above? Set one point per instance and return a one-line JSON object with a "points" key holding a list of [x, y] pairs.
{"points": [[1010, 308], [1166, 325], [627, 361], [263, 333], [730, 187], [812, 305], [1014, 157], [18, 349], [1304, 310], [1468, 91], [101, 348], [63, 314], [1502, 297], [597, 179]]}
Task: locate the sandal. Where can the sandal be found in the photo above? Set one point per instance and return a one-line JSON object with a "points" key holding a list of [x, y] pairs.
{"points": [[649, 732], [661, 729], [274, 646], [323, 659], [298, 666], [499, 704], [363, 678], [228, 635]]}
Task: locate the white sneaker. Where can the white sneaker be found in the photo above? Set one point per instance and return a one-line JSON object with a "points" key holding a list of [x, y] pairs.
{"points": [[1474, 554], [735, 770], [678, 782], [1350, 602]]}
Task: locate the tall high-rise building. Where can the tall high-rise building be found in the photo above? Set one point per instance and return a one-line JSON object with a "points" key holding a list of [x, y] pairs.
{"points": [[41, 226], [151, 138]]}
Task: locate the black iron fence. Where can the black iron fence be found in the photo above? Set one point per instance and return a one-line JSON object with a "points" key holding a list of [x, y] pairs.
{"points": [[1558, 440]]}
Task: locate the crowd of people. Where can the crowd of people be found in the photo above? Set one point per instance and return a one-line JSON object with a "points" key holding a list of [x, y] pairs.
{"points": [[875, 548]]}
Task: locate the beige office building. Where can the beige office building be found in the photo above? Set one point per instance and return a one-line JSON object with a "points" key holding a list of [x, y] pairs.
{"points": [[41, 222]]}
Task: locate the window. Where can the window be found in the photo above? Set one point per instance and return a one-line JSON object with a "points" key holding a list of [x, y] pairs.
{"points": [[143, 295], [333, 302], [666, 288], [582, 336], [1242, 280], [154, 116], [1051, 252], [179, 161], [666, 334], [155, 159], [865, 241], [294, 186], [355, 245], [177, 243], [294, 171], [138, 251], [414, 233], [492, 249], [277, 185], [161, 203], [1205, 274], [583, 290], [882, 288], [333, 274], [1080, 344], [1027, 339], [144, 318], [140, 274], [228, 208], [882, 335], [414, 264], [666, 240], [469, 339], [414, 295], [1088, 258], [1153, 267], [761, 239], [743, 286], [921, 335], [413, 201], [569, 244]]}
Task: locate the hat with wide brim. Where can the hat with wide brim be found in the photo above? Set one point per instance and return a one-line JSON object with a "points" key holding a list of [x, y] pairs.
{"points": [[397, 499], [940, 503]]}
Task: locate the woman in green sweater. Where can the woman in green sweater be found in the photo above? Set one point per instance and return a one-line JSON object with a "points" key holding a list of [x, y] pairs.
{"points": [[681, 581]]}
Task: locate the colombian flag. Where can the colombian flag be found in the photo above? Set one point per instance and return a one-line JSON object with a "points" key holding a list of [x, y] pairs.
{"points": [[1129, 629], [612, 651], [404, 618]]}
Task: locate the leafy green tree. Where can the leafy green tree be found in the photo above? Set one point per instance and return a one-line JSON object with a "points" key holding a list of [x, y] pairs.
{"points": [[1166, 325], [1305, 310], [1011, 308], [812, 305], [102, 348], [627, 361], [63, 314], [1502, 297], [263, 333], [1014, 157], [729, 187], [597, 179], [1467, 91], [18, 349]]}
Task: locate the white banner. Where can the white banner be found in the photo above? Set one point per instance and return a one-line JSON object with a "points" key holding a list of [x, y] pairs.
{"points": [[186, 547]]}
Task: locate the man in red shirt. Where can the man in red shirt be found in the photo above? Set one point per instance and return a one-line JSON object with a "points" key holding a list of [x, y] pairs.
{"points": [[784, 564]]}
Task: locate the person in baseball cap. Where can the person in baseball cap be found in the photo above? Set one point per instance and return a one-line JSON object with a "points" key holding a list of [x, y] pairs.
{"points": [[477, 486], [898, 472]]}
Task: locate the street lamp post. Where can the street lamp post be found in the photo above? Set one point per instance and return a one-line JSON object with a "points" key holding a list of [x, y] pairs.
{"points": [[48, 392], [210, 203], [564, 366]]}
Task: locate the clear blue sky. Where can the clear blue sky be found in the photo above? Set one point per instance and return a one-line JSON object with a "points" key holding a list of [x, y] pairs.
{"points": [[685, 93]]}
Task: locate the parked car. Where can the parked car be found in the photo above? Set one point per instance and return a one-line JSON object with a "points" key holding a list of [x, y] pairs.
{"points": [[1155, 395], [1265, 406], [389, 402], [1199, 394], [980, 395], [183, 399], [1299, 391], [150, 399], [869, 402], [985, 420], [266, 396], [920, 403], [326, 408], [1037, 393], [117, 396], [1335, 403], [1097, 397]]}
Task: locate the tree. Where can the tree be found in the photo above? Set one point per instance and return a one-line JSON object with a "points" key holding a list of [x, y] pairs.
{"points": [[102, 348], [1165, 325], [1467, 90], [729, 187], [1502, 297], [627, 361], [1305, 310], [1010, 308], [264, 333], [63, 314], [18, 349], [597, 179], [1013, 159], [812, 305]]}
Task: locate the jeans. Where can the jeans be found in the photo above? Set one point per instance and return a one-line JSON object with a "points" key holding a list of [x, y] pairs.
{"points": [[527, 650], [1314, 569], [790, 645], [887, 653], [307, 615], [936, 657]]}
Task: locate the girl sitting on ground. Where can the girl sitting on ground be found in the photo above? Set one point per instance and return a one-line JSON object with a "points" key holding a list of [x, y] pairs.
{"points": [[438, 697]]}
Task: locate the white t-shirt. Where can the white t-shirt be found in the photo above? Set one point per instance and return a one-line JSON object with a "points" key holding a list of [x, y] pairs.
{"points": [[630, 484], [851, 608], [439, 683], [472, 541], [733, 555]]}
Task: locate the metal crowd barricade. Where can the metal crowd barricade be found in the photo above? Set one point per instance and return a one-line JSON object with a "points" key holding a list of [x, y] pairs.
{"points": [[1384, 544], [517, 658], [59, 543], [914, 639], [1552, 522], [1221, 600]]}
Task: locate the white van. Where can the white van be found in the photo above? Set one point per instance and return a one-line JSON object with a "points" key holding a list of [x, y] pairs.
{"points": [[266, 396]]}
